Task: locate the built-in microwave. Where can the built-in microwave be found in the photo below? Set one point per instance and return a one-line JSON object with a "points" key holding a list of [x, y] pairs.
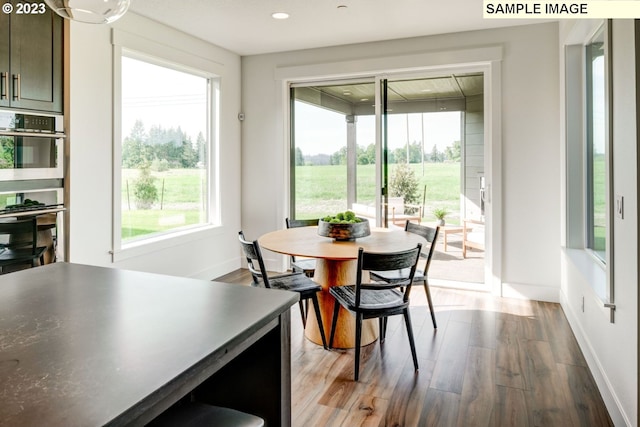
{"points": [[31, 146]]}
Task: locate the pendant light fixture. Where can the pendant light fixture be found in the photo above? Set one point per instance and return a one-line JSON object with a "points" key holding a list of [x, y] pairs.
{"points": [[90, 11]]}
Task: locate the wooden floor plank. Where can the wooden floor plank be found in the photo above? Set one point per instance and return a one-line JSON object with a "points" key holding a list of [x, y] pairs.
{"points": [[388, 364], [449, 371], [537, 375], [510, 409], [508, 362], [533, 327], [483, 329], [321, 416], [561, 338], [478, 391], [583, 396], [409, 393], [367, 411], [546, 402], [440, 409]]}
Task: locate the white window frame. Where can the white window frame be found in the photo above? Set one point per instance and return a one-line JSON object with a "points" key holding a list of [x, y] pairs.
{"points": [[598, 271], [150, 51]]}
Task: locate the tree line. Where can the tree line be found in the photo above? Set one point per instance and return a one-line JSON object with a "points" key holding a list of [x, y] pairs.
{"points": [[161, 148], [367, 155]]}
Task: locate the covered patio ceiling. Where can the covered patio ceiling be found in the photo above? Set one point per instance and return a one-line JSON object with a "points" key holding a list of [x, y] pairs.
{"points": [[404, 96]]}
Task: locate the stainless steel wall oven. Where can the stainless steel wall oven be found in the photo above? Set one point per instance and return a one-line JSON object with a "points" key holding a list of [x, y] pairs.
{"points": [[31, 146], [32, 174]]}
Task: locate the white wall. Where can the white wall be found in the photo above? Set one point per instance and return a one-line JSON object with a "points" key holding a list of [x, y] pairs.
{"points": [[530, 139], [90, 109], [611, 349]]}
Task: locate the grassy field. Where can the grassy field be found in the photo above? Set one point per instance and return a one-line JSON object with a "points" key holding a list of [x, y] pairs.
{"points": [[321, 190], [178, 204]]}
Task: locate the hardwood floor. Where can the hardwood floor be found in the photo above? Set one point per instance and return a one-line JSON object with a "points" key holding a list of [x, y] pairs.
{"points": [[492, 362]]}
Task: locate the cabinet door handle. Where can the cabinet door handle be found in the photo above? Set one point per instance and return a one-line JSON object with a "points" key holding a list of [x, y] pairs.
{"points": [[16, 87], [4, 85]]}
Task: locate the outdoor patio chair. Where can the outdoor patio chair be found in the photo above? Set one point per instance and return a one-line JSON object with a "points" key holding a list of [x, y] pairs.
{"points": [[295, 282], [430, 234], [472, 235], [398, 211], [377, 300]]}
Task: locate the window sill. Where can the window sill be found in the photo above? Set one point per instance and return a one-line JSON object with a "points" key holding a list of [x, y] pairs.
{"points": [[592, 270], [158, 243]]}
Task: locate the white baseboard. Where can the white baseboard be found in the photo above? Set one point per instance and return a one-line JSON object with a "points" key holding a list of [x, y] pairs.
{"points": [[454, 284], [537, 293], [218, 269], [604, 386]]}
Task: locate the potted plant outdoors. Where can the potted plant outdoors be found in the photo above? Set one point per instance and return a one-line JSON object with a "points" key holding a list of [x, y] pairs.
{"points": [[440, 213]]}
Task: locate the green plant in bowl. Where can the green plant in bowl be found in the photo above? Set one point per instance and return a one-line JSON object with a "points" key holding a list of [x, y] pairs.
{"points": [[347, 217], [343, 226]]}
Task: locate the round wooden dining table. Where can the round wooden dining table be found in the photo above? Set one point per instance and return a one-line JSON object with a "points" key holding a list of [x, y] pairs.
{"points": [[336, 265]]}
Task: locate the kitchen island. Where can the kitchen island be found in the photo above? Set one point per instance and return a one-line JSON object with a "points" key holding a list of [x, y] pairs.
{"points": [[93, 346]]}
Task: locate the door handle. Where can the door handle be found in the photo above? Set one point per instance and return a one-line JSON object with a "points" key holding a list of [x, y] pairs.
{"points": [[16, 87], [4, 85]]}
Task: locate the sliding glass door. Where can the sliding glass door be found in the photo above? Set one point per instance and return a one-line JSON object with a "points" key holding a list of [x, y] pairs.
{"points": [[333, 150], [390, 149]]}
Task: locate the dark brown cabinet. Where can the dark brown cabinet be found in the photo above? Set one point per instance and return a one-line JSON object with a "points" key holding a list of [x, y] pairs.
{"points": [[31, 60]]}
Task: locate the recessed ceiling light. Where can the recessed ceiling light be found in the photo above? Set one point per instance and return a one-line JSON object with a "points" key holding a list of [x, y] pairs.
{"points": [[280, 15], [364, 99]]}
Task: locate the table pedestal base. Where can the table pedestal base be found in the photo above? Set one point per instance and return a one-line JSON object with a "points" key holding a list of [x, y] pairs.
{"points": [[336, 273]]}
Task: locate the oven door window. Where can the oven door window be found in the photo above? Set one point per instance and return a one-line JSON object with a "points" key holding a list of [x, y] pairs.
{"points": [[30, 157]]}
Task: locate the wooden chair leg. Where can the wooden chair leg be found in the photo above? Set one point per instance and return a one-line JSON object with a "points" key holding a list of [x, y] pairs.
{"points": [[356, 372], [336, 309], [433, 314], [407, 322], [303, 314], [316, 307]]}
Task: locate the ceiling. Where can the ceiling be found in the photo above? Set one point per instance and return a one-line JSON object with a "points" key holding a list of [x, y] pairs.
{"points": [[247, 28], [404, 95], [452, 86]]}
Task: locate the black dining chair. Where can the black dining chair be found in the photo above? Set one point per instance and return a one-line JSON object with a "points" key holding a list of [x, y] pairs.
{"points": [[295, 282], [195, 414], [20, 243], [430, 234], [377, 300], [304, 265]]}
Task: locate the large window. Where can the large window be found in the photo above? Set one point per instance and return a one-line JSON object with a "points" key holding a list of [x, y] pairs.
{"points": [[589, 171], [168, 117], [596, 146]]}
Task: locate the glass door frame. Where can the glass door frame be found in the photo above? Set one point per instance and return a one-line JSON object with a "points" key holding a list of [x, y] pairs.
{"points": [[487, 60], [352, 182], [382, 152]]}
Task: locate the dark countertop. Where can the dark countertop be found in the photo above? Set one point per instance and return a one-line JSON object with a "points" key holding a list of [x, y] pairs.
{"points": [[89, 346]]}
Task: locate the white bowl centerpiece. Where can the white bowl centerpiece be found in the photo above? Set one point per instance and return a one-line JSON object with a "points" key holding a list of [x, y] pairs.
{"points": [[344, 226]]}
